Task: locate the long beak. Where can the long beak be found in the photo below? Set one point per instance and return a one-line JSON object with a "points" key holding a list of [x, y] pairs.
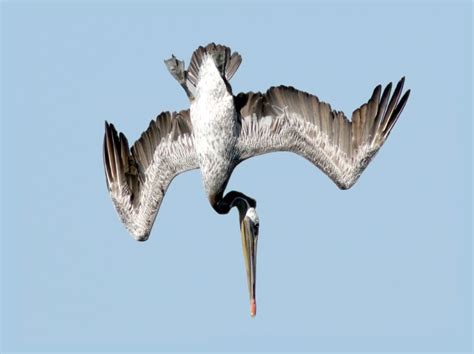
{"points": [[249, 228]]}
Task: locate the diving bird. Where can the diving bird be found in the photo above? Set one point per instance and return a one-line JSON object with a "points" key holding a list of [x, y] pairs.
{"points": [[221, 129]]}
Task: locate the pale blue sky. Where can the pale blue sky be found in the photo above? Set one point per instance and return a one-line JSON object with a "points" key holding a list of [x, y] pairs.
{"points": [[393, 275]]}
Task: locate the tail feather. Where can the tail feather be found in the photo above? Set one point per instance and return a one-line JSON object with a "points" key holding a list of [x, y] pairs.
{"points": [[226, 61]]}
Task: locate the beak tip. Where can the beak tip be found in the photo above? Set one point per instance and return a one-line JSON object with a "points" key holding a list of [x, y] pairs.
{"points": [[253, 308]]}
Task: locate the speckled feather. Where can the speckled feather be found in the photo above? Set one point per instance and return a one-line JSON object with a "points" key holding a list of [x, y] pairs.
{"points": [[138, 178], [215, 127], [286, 119]]}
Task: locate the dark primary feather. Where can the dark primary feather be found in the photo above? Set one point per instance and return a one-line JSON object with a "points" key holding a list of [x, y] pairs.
{"points": [[303, 124]]}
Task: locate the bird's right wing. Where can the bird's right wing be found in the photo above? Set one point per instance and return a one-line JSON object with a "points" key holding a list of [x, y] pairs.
{"points": [[138, 178], [286, 119]]}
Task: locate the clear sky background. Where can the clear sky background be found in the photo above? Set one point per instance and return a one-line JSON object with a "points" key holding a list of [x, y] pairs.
{"points": [[385, 266]]}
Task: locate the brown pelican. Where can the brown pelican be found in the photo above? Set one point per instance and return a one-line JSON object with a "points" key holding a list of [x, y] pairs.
{"points": [[221, 129]]}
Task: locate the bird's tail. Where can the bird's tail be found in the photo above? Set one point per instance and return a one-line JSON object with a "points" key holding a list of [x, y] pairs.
{"points": [[226, 61]]}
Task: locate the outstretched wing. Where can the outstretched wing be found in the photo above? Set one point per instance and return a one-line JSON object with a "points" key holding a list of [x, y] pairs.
{"points": [[285, 119], [138, 178]]}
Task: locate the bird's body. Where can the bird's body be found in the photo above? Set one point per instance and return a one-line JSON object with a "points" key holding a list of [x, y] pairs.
{"points": [[215, 128], [221, 129]]}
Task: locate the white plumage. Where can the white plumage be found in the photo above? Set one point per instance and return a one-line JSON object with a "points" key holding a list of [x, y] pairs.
{"points": [[214, 126]]}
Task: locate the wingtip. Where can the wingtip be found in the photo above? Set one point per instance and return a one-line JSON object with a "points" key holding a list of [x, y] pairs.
{"points": [[377, 91], [124, 141], [112, 128], [405, 97], [387, 90], [402, 81], [399, 87]]}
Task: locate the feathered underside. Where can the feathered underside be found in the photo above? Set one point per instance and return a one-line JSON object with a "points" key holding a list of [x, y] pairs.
{"points": [[285, 119], [138, 178]]}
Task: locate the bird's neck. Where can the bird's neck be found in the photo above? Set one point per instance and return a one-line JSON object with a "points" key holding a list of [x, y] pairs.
{"points": [[232, 199]]}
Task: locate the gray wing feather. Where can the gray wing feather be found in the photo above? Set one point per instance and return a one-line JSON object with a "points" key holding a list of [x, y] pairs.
{"points": [[286, 119], [138, 178]]}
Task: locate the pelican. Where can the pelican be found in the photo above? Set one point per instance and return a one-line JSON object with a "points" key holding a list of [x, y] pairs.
{"points": [[220, 130]]}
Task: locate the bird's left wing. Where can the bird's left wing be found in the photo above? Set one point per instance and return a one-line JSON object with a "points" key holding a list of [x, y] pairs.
{"points": [[286, 119], [138, 178]]}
